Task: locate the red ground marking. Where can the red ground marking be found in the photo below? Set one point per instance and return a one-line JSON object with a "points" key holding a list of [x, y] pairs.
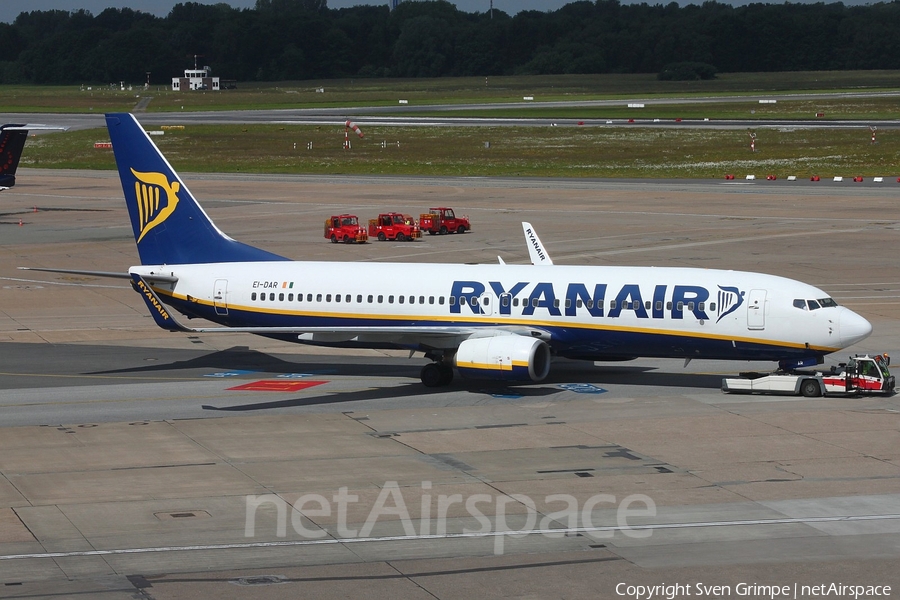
{"points": [[276, 385]]}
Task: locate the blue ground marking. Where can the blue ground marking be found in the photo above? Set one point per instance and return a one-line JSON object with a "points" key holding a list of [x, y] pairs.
{"points": [[582, 388], [235, 373], [293, 375]]}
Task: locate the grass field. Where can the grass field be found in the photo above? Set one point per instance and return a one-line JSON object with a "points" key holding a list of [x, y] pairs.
{"points": [[567, 151], [424, 92], [533, 151]]}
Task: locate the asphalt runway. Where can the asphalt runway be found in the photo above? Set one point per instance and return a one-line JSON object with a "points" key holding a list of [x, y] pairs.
{"points": [[136, 463]]}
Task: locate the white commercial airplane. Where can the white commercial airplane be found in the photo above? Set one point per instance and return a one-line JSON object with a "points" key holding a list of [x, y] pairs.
{"points": [[492, 321]]}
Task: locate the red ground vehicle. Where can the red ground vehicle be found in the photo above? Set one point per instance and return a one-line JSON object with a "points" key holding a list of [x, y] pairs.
{"points": [[394, 226], [443, 220], [345, 228]]}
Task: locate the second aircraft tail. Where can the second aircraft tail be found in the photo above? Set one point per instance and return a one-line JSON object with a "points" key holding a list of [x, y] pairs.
{"points": [[170, 226], [12, 142]]}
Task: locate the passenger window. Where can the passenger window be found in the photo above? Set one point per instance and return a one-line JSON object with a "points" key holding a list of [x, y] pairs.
{"points": [[400, 299], [272, 296], [359, 299], [700, 306], [370, 299], [290, 297], [441, 300], [309, 297], [318, 297], [647, 305], [690, 306], [486, 301], [422, 300], [612, 303], [327, 297], [568, 303], [430, 299], [534, 302], [669, 305], [680, 306], [590, 303], [712, 306], [556, 303], [578, 303], [800, 304], [380, 299], [337, 297], [659, 305], [281, 297], [253, 296], [390, 299], [515, 301], [348, 298], [504, 300], [452, 300]]}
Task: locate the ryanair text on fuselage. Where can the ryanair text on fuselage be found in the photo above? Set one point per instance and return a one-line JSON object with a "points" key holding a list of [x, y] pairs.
{"points": [[663, 301]]}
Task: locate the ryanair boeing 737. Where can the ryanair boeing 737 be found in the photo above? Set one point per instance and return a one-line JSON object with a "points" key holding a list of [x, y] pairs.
{"points": [[492, 321]]}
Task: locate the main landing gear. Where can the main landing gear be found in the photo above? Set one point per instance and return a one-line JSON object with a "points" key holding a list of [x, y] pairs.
{"points": [[436, 374]]}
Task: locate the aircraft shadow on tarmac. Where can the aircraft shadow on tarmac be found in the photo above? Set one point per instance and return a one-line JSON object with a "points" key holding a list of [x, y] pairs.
{"points": [[242, 358], [565, 374]]}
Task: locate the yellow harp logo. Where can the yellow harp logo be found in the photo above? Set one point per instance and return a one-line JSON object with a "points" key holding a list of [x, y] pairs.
{"points": [[148, 188]]}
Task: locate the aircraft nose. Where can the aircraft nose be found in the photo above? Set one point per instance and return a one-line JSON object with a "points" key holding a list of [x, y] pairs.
{"points": [[853, 327]]}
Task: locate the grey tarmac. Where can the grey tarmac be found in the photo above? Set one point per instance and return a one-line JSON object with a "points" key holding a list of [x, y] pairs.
{"points": [[131, 467]]}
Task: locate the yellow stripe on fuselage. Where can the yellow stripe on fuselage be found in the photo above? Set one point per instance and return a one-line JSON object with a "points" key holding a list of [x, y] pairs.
{"points": [[474, 319]]}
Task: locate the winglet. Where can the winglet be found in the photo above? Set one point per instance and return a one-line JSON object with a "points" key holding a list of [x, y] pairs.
{"points": [[158, 310], [536, 249]]}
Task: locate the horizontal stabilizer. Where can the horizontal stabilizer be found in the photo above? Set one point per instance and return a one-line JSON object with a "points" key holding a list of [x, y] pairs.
{"points": [[110, 274]]}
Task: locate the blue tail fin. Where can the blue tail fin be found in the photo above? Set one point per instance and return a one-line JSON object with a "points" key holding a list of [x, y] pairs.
{"points": [[169, 225], [12, 142]]}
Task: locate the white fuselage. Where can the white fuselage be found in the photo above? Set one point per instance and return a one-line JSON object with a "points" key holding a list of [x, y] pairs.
{"points": [[587, 312]]}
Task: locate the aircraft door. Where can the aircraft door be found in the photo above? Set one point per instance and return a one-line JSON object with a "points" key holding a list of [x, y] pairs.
{"points": [[756, 309], [220, 293], [487, 302]]}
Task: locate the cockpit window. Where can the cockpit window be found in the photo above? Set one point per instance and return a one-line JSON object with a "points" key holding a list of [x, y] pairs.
{"points": [[801, 304], [827, 302], [813, 305]]}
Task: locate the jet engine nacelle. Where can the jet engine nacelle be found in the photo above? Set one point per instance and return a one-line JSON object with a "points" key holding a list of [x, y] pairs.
{"points": [[506, 357]]}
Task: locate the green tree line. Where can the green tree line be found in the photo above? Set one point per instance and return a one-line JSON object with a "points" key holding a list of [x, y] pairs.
{"points": [[281, 40]]}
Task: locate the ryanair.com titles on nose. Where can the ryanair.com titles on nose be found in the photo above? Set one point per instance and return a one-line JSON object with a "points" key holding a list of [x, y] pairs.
{"points": [[490, 511]]}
